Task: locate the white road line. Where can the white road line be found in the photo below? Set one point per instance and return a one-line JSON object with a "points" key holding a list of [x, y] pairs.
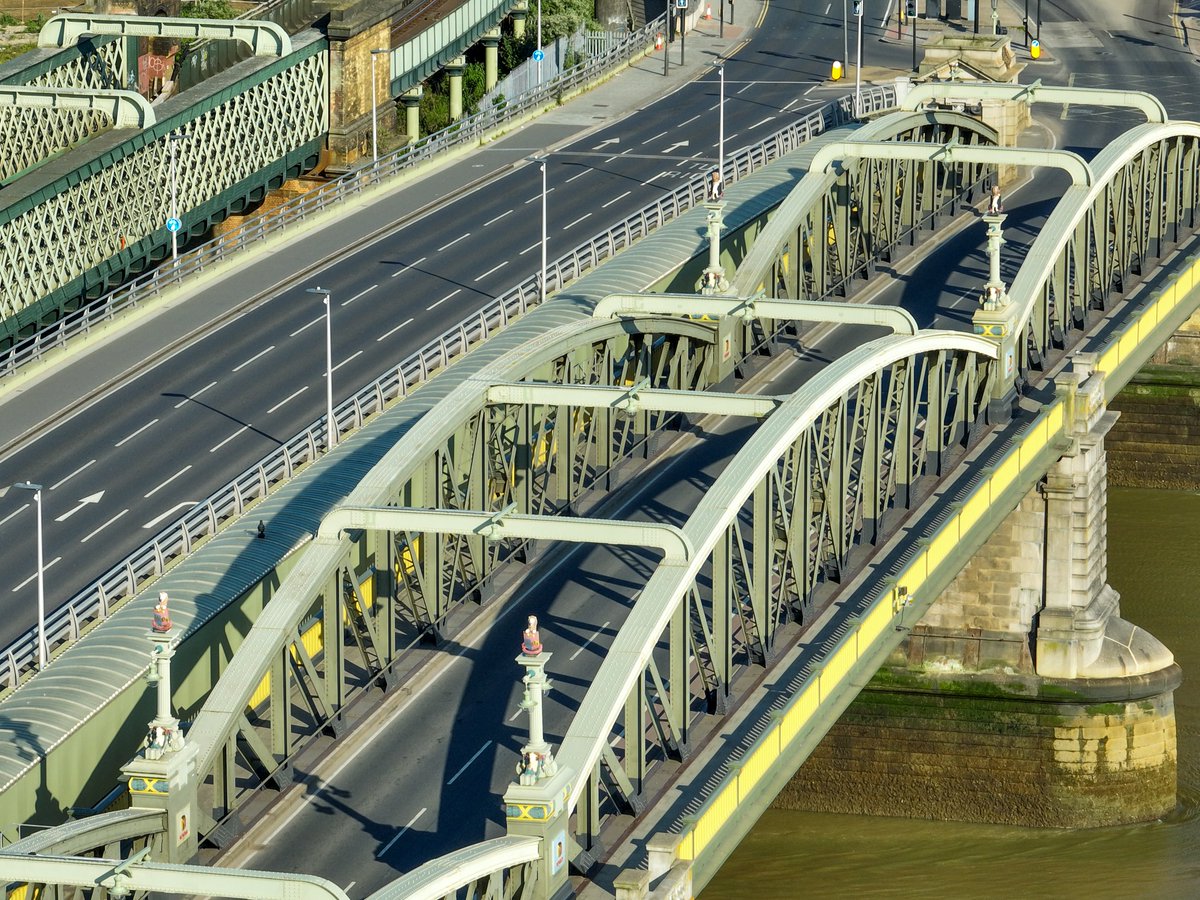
{"points": [[102, 527], [14, 513], [260, 353], [130, 437], [72, 475], [589, 640], [401, 832], [453, 242], [403, 269], [359, 294], [791, 103], [354, 355], [615, 199], [497, 218], [610, 159], [530, 247], [172, 479], [444, 299], [309, 325], [577, 221], [689, 121], [468, 763], [186, 504], [763, 122], [346, 889], [655, 138], [663, 174], [190, 397], [517, 713], [747, 86], [286, 399], [34, 575], [537, 197], [490, 271], [224, 442], [388, 334], [580, 175], [829, 7]]}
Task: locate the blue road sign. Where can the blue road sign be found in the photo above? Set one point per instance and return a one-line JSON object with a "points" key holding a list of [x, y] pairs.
{"points": [[173, 224], [538, 55]]}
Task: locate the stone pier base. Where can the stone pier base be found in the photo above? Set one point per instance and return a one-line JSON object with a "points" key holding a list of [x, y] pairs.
{"points": [[1004, 749]]}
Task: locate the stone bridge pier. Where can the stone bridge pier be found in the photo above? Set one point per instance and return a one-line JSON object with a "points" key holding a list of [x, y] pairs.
{"points": [[1023, 696]]}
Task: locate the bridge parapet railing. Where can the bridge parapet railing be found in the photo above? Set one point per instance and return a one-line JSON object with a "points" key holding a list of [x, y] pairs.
{"points": [[94, 603]]}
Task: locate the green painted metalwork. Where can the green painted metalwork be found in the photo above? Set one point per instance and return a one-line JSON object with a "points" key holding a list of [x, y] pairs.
{"points": [[486, 866], [634, 399], [263, 38], [941, 91], [204, 59], [1072, 163], [413, 61], [124, 109]]}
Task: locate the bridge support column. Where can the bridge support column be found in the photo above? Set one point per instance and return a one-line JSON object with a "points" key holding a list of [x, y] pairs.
{"points": [[520, 12], [491, 58], [454, 69], [412, 113]]}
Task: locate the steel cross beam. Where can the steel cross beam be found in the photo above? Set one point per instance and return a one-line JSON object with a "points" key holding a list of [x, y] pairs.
{"points": [[494, 526], [126, 109], [135, 875], [263, 38], [633, 399], [899, 320], [1035, 93], [1072, 163]]}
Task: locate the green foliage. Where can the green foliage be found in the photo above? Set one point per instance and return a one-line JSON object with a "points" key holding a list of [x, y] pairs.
{"points": [[514, 51], [12, 51], [563, 17], [7, 20], [473, 78], [209, 9], [435, 105], [34, 25]]}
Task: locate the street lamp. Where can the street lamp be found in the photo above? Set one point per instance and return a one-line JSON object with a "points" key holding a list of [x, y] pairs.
{"points": [[721, 120], [375, 107], [539, 46], [173, 223], [541, 161], [330, 425], [858, 12], [845, 34], [41, 568]]}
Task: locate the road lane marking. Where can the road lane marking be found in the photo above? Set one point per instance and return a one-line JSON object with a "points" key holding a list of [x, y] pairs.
{"points": [[102, 527], [444, 299], [186, 504], [354, 355], [309, 325], [580, 175], [148, 496], [83, 501], [130, 437], [827, 8], [346, 889], [530, 247], [359, 294], [490, 271], [404, 269], [393, 331], [403, 831], [496, 218], [763, 122], [222, 444], [589, 640], [468, 763], [615, 199], [577, 221], [286, 399], [453, 242], [517, 713], [35, 574], [257, 355], [690, 121], [190, 397], [14, 513], [72, 475], [655, 138], [536, 197], [747, 86]]}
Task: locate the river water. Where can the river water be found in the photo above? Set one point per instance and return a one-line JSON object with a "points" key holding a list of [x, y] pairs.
{"points": [[1154, 564]]}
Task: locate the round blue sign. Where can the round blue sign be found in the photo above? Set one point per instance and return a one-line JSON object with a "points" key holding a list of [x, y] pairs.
{"points": [[173, 224], [538, 55]]}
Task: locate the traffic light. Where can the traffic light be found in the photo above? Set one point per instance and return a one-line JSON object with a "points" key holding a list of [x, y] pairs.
{"points": [[858, 7], [912, 9]]}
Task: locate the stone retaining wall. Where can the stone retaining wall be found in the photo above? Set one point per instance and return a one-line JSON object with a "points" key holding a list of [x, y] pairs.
{"points": [[1156, 441]]}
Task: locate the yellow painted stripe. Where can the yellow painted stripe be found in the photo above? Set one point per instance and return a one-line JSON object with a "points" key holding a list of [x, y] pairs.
{"points": [[944, 543]]}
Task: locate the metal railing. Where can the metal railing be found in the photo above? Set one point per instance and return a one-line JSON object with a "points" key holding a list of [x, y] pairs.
{"points": [[95, 602]]}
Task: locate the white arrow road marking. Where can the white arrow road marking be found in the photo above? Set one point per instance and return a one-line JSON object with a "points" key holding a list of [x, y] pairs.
{"points": [[603, 144], [677, 146], [90, 498], [186, 504]]}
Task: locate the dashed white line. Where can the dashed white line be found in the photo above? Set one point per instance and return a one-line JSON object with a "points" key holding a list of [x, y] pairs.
{"points": [[444, 299], [747, 86], [537, 197], [130, 437], [224, 442], [359, 294], [258, 355], [615, 199], [286, 399], [610, 159], [102, 527], [354, 355], [533, 246], [462, 237], [763, 122], [346, 889], [72, 475], [403, 269], [577, 221], [690, 121], [186, 504], [35, 574], [490, 271], [496, 218], [468, 763], [388, 334], [309, 325], [655, 138], [589, 640], [580, 175], [401, 832], [190, 397], [14, 513]]}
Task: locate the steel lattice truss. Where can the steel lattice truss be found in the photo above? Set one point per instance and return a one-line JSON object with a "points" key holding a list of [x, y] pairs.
{"points": [[119, 202], [32, 135], [1101, 240], [774, 533]]}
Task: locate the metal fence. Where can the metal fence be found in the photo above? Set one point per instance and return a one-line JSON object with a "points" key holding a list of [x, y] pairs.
{"points": [[176, 540]]}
